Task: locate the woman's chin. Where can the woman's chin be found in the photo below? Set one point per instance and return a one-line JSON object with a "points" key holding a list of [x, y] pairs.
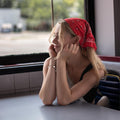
{"points": [[57, 50]]}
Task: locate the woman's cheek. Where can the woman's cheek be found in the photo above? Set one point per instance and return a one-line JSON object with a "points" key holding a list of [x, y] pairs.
{"points": [[57, 49]]}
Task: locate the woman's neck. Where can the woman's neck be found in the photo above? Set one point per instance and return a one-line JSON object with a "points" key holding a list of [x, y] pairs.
{"points": [[78, 61]]}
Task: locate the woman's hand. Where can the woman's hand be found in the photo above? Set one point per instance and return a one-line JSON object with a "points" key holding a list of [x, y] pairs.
{"points": [[68, 51], [52, 52]]}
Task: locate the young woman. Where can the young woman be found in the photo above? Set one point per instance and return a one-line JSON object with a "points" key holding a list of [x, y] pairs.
{"points": [[73, 69]]}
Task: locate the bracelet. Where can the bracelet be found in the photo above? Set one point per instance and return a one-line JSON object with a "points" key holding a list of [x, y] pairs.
{"points": [[52, 58], [52, 66]]}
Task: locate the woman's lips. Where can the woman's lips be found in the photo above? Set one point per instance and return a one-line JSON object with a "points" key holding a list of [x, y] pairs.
{"points": [[56, 46]]}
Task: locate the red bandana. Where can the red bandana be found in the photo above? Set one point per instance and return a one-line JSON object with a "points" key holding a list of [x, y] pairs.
{"points": [[82, 28]]}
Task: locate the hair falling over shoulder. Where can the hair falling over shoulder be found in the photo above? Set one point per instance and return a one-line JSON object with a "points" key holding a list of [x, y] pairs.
{"points": [[95, 61]]}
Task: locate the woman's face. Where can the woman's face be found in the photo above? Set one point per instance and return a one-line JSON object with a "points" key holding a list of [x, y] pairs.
{"points": [[67, 38], [55, 39]]}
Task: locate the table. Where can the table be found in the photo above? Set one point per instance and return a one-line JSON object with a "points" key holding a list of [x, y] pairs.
{"points": [[30, 107]]}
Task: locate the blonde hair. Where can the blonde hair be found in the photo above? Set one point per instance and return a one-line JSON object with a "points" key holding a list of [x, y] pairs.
{"points": [[94, 59], [51, 34], [88, 52]]}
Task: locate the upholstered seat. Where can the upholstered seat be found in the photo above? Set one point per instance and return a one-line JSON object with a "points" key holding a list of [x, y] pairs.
{"points": [[110, 87]]}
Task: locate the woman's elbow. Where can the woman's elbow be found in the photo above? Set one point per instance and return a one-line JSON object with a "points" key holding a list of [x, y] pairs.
{"points": [[46, 100], [40, 95], [62, 102], [47, 103]]}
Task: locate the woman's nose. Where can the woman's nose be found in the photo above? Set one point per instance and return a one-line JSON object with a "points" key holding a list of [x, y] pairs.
{"points": [[55, 40]]}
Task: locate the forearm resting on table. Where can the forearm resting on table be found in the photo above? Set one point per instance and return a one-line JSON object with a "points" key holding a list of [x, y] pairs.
{"points": [[48, 89], [63, 90]]}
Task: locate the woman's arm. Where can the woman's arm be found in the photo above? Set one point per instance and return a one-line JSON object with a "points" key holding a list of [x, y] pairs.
{"points": [[66, 95], [63, 90], [48, 89]]}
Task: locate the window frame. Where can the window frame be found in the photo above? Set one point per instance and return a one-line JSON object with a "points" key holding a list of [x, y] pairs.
{"points": [[15, 60], [22, 63], [117, 26], [90, 13], [24, 58], [90, 17]]}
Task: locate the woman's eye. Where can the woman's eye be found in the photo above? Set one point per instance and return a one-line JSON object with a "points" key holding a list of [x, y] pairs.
{"points": [[55, 36]]}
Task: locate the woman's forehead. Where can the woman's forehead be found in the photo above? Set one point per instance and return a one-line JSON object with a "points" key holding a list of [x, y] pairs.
{"points": [[57, 28]]}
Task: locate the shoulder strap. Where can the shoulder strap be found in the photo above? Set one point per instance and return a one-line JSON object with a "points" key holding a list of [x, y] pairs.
{"points": [[89, 67]]}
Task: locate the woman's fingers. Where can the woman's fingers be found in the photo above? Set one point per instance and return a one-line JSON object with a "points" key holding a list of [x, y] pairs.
{"points": [[52, 51], [69, 50], [71, 47], [74, 48]]}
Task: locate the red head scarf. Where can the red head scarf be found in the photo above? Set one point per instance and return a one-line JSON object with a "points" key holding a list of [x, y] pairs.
{"points": [[82, 28]]}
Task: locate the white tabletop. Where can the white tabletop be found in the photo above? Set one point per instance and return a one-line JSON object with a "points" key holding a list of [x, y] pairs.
{"points": [[30, 107]]}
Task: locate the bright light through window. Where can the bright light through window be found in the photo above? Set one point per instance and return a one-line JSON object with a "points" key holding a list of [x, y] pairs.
{"points": [[25, 25]]}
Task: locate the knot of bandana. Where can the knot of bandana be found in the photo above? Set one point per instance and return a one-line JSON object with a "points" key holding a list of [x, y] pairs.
{"points": [[82, 28]]}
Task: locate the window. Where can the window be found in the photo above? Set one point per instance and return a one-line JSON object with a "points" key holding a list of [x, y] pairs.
{"points": [[25, 25], [68, 8]]}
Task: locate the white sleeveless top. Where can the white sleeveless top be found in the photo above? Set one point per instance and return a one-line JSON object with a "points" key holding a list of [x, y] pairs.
{"points": [[70, 83]]}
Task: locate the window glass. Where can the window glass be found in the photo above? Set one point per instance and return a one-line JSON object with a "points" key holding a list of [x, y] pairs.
{"points": [[70, 8], [25, 25]]}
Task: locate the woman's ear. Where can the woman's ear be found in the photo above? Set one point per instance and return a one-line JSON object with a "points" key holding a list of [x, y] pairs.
{"points": [[77, 39]]}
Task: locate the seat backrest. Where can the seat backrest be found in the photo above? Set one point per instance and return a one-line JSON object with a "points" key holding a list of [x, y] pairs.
{"points": [[110, 87]]}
